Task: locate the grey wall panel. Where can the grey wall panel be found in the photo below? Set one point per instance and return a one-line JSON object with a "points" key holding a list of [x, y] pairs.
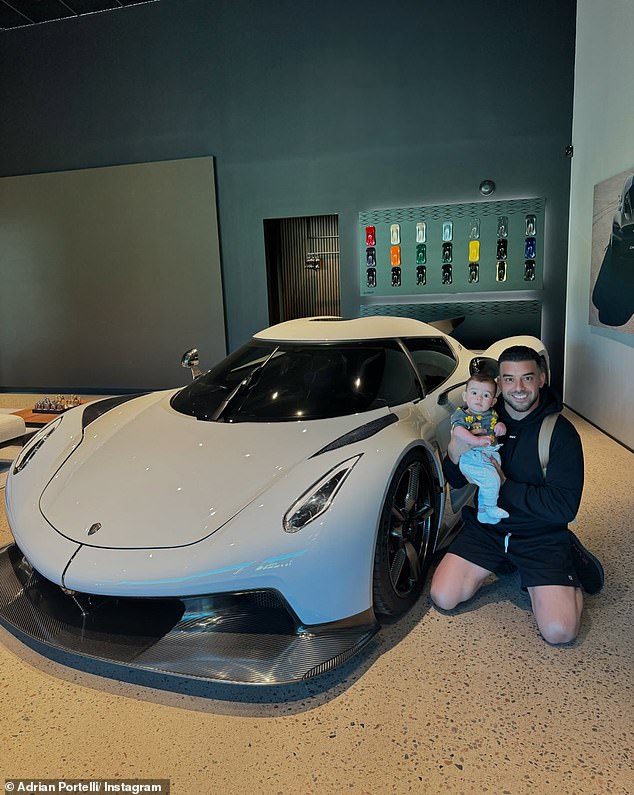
{"points": [[309, 109], [107, 275]]}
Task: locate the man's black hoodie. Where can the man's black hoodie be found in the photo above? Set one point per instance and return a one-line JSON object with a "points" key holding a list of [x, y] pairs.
{"points": [[535, 504]]}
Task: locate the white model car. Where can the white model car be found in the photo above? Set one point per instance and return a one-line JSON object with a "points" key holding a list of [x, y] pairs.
{"points": [[253, 525]]}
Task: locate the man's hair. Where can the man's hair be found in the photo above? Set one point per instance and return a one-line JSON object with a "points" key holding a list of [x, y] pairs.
{"points": [[483, 378], [522, 353]]}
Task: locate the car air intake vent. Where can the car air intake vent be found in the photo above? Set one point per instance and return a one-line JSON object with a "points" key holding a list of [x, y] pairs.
{"points": [[325, 319], [269, 600], [363, 432]]}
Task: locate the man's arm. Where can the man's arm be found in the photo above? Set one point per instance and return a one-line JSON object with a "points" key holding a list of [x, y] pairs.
{"points": [[454, 476], [462, 439], [555, 501]]}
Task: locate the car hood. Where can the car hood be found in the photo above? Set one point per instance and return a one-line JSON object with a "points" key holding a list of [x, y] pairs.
{"points": [[145, 476]]}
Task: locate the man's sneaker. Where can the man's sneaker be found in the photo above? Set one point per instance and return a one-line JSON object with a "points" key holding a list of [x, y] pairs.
{"points": [[589, 570]]}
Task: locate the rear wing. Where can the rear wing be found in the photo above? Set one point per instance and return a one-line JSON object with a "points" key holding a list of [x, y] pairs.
{"points": [[447, 325]]}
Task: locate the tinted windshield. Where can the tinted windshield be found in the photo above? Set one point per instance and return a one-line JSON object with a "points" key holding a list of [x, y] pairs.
{"points": [[274, 382]]}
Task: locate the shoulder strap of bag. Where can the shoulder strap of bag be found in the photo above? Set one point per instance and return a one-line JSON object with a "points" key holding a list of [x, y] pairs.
{"points": [[543, 443]]}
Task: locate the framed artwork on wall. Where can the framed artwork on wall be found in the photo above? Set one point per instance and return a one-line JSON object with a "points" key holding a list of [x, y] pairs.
{"points": [[612, 259]]}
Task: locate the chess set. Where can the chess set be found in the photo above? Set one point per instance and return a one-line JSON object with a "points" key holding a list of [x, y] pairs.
{"points": [[56, 405]]}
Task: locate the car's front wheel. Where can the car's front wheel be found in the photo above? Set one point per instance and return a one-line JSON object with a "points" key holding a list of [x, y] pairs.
{"points": [[406, 537]]}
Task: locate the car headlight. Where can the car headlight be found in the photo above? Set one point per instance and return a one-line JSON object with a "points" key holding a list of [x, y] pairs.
{"points": [[318, 498], [34, 445]]}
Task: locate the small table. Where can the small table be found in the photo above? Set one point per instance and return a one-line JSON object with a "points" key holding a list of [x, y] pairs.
{"points": [[39, 418]]}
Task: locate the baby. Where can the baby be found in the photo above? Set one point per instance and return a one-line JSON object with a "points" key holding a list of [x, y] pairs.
{"points": [[477, 425]]}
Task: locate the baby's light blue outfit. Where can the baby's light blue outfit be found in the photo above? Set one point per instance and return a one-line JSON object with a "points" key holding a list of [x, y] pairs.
{"points": [[476, 466]]}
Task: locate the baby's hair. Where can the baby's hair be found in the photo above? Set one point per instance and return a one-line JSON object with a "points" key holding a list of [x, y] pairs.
{"points": [[483, 378]]}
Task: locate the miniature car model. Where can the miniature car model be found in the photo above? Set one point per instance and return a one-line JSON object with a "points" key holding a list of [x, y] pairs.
{"points": [[254, 525], [502, 248], [530, 248]]}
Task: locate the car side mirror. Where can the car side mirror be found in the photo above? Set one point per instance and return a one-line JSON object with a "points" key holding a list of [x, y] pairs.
{"points": [[192, 361], [483, 365], [443, 397]]}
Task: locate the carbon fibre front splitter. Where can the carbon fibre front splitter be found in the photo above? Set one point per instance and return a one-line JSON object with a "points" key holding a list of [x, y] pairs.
{"points": [[246, 638]]}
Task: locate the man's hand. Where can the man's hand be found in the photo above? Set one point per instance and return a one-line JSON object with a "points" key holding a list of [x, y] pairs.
{"points": [[456, 448], [463, 440]]}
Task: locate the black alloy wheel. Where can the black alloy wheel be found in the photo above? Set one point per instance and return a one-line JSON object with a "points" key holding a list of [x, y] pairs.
{"points": [[406, 537]]}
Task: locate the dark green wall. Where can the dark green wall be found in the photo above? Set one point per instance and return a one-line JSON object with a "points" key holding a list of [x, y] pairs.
{"points": [[308, 108]]}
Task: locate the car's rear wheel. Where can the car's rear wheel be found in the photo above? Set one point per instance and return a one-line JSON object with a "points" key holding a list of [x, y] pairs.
{"points": [[406, 537]]}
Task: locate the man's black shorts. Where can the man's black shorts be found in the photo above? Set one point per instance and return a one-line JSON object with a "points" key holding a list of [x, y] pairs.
{"points": [[541, 559]]}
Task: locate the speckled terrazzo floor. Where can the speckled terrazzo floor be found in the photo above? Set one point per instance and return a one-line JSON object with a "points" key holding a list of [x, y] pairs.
{"points": [[471, 701]]}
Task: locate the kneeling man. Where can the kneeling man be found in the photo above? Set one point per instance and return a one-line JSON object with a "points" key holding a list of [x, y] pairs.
{"points": [[535, 538]]}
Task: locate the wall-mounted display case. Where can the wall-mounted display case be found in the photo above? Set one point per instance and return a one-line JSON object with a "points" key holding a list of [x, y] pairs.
{"points": [[480, 247]]}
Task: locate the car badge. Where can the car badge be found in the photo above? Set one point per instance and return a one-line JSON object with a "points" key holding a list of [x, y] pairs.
{"points": [[94, 528]]}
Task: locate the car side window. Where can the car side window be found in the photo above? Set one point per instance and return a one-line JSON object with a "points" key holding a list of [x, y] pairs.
{"points": [[434, 360], [398, 383]]}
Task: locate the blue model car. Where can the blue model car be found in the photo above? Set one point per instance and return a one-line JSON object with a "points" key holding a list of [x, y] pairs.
{"points": [[530, 248]]}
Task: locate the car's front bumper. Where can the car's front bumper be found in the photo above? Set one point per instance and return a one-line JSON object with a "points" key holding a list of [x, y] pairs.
{"points": [[250, 637]]}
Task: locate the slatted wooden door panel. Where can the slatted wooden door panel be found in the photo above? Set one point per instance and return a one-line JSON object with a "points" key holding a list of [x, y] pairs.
{"points": [[307, 267]]}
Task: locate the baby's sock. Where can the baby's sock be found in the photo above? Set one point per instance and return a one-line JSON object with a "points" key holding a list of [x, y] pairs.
{"points": [[484, 517], [499, 513]]}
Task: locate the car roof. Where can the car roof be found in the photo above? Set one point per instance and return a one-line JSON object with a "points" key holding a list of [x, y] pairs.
{"points": [[336, 329]]}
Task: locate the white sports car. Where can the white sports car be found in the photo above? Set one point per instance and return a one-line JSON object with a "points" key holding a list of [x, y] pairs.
{"points": [[253, 525]]}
